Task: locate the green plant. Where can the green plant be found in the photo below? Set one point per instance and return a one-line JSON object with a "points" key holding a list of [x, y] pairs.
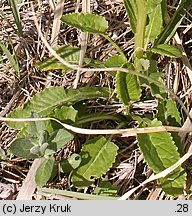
{"points": [[16, 15], [8, 48], [160, 149], [11, 58]]}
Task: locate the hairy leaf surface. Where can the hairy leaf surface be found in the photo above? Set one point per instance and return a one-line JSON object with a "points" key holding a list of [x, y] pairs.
{"points": [[45, 171], [21, 148], [57, 140]]}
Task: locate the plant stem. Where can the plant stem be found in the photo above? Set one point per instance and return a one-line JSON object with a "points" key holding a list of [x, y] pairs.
{"points": [[76, 195], [121, 125], [140, 28], [140, 33], [99, 117], [114, 44]]}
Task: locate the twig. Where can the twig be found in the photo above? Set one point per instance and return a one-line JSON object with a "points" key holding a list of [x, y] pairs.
{"points": [[86, 8], [58, 11], [29, 185], [11, 102], [124, 132], [184, 58], [13, 99]]}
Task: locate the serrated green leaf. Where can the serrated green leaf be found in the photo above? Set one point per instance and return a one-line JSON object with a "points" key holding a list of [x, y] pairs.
{"points": [[57, 140], [161, 111], [115, 61], [167, 112], [131, 8], [44, 102], [160, 153], [68, 53], [86, 22], [74, 160], [155, 19], [172, 111], [127, 87], [167, 50], [21, 148], [45, 171], [156, 90], [145, 64], [65, 113], [178, 142], [174, 183], [97, 156]]}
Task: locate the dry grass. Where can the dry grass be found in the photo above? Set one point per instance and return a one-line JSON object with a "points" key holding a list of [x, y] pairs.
{"points": [[16, 90]]}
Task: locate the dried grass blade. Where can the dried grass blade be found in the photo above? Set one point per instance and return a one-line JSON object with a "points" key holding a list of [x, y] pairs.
{"points": [[58, 11], [86, 8], [29, 185]]}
